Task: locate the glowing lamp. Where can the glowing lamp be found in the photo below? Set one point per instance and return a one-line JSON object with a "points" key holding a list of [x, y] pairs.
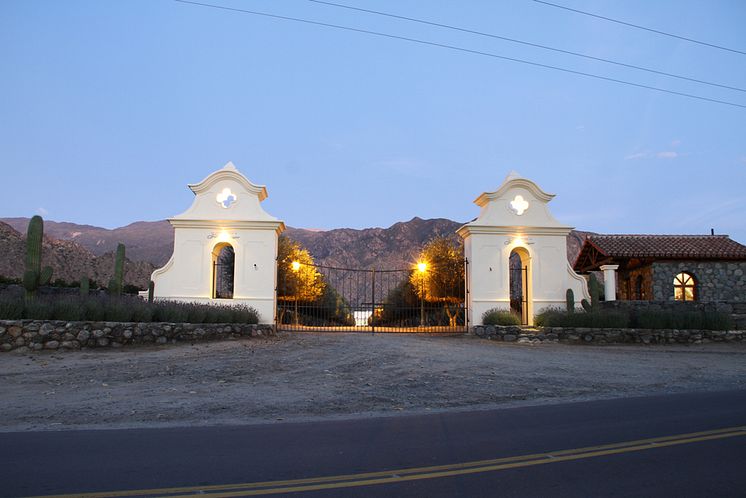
{"points": [[421, 267], [295, 265]]}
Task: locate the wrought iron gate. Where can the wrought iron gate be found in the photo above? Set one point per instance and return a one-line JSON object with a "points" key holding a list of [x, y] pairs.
{"points": [[519, 292], [317, 297]]}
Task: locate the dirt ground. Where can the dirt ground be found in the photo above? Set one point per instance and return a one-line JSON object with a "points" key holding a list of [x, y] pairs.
{"points": [[319, 376]]}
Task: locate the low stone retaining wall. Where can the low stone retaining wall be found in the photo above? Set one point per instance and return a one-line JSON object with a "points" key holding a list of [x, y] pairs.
{"points": [[605, 336], [36, 335]]}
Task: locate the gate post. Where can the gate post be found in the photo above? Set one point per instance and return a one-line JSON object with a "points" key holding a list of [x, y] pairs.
{"points": [[373, 302], [466, 294]]}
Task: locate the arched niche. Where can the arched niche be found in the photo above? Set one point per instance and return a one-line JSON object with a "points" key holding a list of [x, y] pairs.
{"points": [[519, 271], [223, 271]]}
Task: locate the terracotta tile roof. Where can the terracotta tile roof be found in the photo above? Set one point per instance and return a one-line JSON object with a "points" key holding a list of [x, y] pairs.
{"points": [[668, 246]]}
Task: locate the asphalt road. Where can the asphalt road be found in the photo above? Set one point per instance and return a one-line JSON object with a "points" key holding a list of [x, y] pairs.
{"points": [[676, 445]]}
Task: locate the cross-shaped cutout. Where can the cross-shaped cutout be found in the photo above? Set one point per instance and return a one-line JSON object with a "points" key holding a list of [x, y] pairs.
{"points": [[519, 205], [226, 198]]}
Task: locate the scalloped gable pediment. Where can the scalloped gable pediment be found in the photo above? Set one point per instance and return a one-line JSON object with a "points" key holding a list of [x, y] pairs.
{"points": [[226, 194], [518, 202]]}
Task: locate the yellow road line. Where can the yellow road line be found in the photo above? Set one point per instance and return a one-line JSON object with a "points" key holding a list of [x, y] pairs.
{"points": [[419, 473]]}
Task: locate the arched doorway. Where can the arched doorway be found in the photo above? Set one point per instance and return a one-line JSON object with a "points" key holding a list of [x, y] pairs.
{"points": [[223, 269], [518, 265]]}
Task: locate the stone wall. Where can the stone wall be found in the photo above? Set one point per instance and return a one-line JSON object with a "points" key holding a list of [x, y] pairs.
{"points": [[715, 280], [36, 335], [604, 336]]}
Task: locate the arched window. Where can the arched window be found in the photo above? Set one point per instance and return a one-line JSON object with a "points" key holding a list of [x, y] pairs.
{"points": [[684, 287], [223, 260]]}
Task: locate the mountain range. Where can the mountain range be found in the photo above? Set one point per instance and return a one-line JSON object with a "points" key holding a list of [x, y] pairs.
{"points": [[69, 260], [73, 249]]}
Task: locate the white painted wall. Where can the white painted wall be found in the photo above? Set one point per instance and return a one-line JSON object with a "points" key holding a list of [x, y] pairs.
{"points": [[244, 224], [490, 239]]}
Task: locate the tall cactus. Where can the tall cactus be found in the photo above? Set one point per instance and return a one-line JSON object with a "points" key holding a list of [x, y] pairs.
{"points": [[35, 276], [85, 285], [570, 301], [151, 291], [115, 284], [594, 287]]}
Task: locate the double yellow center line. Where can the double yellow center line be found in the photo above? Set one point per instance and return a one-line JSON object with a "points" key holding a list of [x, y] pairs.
{"points": [[420, 473]]}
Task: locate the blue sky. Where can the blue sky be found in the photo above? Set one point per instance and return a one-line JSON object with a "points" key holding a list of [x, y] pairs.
{"points": [[110, 108]]}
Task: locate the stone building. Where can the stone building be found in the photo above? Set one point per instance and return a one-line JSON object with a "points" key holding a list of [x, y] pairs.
{"points": [[704, 268]]}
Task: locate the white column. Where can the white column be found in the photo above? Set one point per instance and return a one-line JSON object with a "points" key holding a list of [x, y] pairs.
{"points": [[609, 281]]}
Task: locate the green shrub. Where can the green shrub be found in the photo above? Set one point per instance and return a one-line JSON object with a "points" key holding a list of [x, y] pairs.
{"points": [[143, 312], [121, 309], [118, 310], [197, 314], [598, 320], [69, 309], [95, 310], [667, 319], [41, 309], [165, 311], [245, 314], [500, 317], [11, 308]]}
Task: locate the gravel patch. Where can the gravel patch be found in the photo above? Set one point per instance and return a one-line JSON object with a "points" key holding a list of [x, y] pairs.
{"points": [[313, 376]]}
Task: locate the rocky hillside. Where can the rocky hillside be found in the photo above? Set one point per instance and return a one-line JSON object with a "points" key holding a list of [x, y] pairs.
{"points": [[395, 247], [152, 243], [68, 259]]}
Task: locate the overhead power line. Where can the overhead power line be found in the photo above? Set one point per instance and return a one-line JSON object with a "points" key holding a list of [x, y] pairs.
{"points": [[459, 49], [657, 31], [530, 44]]}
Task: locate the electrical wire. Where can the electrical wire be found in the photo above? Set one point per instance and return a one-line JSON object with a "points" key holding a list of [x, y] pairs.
{"points": [[664, 33], [460, 49], [530, 44]]}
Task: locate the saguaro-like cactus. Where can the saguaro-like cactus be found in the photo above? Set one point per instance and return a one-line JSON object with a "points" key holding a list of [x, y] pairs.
{"points": [[85, 285], [35, 276], [586, 305], [115, 284], [594, 287], [151, 290], [570, 301]]}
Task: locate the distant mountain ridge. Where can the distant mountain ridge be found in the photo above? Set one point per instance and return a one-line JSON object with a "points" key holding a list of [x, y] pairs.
{"points": [[151, 243], [69, 260]]}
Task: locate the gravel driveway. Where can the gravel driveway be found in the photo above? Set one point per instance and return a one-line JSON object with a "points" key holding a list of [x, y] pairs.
{"points": [[315, 375]]}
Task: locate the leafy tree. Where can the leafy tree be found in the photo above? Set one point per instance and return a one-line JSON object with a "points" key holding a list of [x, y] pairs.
{"points": [[334, 307], [399, 305], [443, 280], [299, 282]]}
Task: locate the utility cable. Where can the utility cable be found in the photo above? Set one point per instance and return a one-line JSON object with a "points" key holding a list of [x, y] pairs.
{"points": [[664, 33], [460, 49], [530, 44]]}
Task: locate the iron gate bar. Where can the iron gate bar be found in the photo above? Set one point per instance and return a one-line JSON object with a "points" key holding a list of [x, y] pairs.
{"points": [[391, 304]]}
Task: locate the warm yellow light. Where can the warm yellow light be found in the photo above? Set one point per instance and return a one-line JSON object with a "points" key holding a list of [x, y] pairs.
{"points": [[421, 267], [295, 265]]}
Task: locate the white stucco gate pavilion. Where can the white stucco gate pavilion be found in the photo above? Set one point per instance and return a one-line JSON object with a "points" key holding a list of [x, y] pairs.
{"points": [[515, 220], [225, 220], [226, 246]]}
